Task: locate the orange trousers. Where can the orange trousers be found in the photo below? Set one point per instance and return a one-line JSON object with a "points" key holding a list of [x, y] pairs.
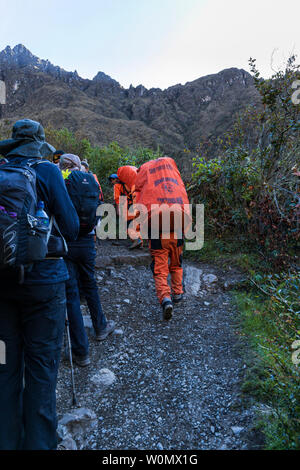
{"points": [[133, 234], [167, 259]]}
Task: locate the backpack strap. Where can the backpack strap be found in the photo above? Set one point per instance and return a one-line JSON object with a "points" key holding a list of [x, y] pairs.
{"points": [[53, 222], [58, 229], [128, 193], [50, 228], [33, 162]]}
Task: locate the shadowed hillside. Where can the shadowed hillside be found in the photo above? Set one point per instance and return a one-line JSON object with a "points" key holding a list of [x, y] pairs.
{"points": [[102, 110]]}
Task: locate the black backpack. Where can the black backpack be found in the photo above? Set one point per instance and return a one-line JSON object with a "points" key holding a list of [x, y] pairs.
{"points": [[22, 240], [84, 192]]}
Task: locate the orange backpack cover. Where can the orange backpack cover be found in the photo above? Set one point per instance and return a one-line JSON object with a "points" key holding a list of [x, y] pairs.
{"points": [[159, 182]]}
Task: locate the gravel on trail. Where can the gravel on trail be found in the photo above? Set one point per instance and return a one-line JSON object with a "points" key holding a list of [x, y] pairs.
{"points": [[161, 385]]}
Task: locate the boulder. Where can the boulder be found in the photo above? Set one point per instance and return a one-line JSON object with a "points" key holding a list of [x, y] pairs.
{"points": [[209, 280], [104, 378], [67, 444], [78, 425]]}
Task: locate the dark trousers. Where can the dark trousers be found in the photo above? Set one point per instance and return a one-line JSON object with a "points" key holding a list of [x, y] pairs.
{"points": [[32, 320], [81, 267]]}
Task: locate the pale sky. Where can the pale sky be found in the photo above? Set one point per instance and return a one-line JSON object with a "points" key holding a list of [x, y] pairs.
{"points": [[157, 43]]}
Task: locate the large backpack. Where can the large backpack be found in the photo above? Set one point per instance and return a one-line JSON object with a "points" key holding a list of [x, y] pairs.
{"points": [[84, 192], [22, 240], [159, 186]]}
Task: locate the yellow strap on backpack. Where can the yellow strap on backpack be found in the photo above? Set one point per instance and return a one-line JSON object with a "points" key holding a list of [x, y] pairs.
{"points": [[66, 173]]}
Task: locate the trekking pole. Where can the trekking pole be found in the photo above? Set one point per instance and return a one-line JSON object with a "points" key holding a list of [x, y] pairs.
{"points": [[74, 401]]}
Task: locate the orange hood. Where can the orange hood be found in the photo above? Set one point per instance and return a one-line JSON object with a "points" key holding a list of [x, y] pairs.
{"points": [[127, 175]]}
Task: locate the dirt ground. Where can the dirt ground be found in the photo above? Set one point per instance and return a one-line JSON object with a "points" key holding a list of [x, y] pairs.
{"points": [[174, 385]]}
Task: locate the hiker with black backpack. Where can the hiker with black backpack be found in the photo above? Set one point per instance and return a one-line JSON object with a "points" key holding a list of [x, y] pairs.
{"points": [[84, 192], [85, 167], [33, 199]]}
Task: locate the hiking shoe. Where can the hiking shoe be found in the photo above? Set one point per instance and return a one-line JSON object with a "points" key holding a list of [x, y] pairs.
{"points": [[177, 298], [110, 327], [167, 307], [81, 361], [136, 244]]}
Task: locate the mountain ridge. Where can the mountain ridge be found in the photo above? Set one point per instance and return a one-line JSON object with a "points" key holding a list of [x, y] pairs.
{"points": [[174, 118]]}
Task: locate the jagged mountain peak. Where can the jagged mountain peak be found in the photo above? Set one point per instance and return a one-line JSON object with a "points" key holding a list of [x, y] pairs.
{"points": [[232, 73], [175, 118], [104, 78], [21, 49], [17, 53], [20, 56]]}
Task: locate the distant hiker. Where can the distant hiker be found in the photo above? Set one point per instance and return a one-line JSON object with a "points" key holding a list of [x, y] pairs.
{"points": [[127, 176], [85, 167], [119, 190], [113, 178], [32, 314], [84, 192], [159, 182], [56, 156]]}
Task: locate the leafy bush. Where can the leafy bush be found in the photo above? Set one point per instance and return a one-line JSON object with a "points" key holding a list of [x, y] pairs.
{"points": [[253, 185], [106, 160], [251, 195], [102, 160]]}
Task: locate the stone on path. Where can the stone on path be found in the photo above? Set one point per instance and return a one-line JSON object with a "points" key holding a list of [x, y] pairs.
{"points": [[67, 444], [237, 429], [104, 377], [209, 280], [77, 425], [87, 321], [118, 332], [137, 259]]}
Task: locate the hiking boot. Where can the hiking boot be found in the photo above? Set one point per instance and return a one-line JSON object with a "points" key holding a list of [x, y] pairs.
{"points": [[81, 361], [102, 334], [177, 298], [167, 307], [136, 244]]}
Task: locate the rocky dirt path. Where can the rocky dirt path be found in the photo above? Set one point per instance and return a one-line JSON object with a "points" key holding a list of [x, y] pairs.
{"points": [[157, 385]]}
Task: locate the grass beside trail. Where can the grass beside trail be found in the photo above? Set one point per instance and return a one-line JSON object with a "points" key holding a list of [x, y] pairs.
{"points": [[227, 252], [270, 320]]}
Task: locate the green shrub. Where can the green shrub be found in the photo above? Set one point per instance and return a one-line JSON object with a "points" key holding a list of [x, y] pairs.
{"points": [[102, 160], [252, 186]]}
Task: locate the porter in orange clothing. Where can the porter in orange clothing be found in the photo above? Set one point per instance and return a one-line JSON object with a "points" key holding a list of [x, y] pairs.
{"points": [[159, 183], [127, 176], [119, 191], [163, 251]]}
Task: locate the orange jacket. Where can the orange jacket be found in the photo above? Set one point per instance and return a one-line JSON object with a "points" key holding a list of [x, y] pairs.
{"points": [[119, 190], [101, 197], [127, 175]]}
